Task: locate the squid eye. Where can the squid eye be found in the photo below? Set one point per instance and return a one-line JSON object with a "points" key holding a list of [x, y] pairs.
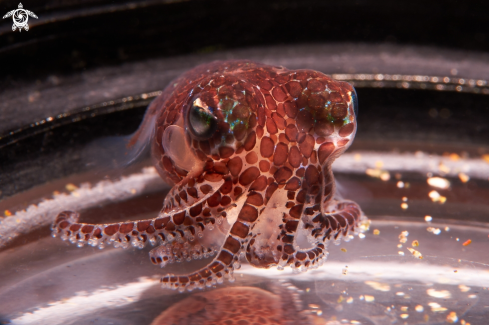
{"points": [[202, 122], [354, 98]]}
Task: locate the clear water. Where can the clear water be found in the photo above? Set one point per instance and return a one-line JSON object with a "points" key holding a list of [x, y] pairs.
{"points": [[404, 270]]}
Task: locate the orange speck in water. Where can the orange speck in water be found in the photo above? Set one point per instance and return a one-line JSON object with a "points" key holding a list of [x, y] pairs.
{"points": [[467, 242], [486, 158], [7, 213]]}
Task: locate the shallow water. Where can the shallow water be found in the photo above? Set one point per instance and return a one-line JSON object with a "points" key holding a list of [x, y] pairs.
{"points": [[404, 270], [369, 280]]}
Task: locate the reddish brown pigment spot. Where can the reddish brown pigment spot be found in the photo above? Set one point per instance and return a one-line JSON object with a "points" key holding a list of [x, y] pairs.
{"points": [[324, 151], [291, 109], [294, 88], [282, 175], [339, 111], [248, 213], [266, 147], [179, 218], [255, 199], [271, 104], [75, 227], [260, 184], [291, 225], [251, 158], [240, 229], [346, 130], [316, 102], [235, 165], [281, 154], [279, 94], [225, 257], [279, 121], [249, 175], [312, 175], [264, 166], [250, 141], [295, 157], [232, 245], [293, 184], [214, 199], [296, 211], [212, 177], [307, 145], [87, 229], [291, 132], [304, 120], [143, 225], [237, 191], [226, 152], [192, 191], [221, 168], [206, 188], [195, 210], [315, 85], [270, 190], [226, 187], [225, 201], [183, 195], [112, 229]]}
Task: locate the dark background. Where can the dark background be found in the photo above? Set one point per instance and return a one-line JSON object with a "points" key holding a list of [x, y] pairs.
{"points": [[73, 38]]}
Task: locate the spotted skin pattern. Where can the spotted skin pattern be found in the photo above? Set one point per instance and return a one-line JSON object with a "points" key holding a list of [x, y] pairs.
{"points": [[248, 149]]}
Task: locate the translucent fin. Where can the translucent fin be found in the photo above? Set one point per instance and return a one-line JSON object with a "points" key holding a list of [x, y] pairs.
{"points": [[112, 154]]}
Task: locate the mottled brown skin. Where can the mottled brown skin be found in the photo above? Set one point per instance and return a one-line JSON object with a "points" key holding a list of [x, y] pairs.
{"points": [[259, 183]]}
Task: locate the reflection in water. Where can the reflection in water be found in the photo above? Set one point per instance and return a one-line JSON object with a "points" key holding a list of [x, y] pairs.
{"points": [[365, 281], [237, 306]]}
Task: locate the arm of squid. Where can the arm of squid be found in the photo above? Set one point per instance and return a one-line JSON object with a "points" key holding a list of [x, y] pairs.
{"points": [[162, 229]]}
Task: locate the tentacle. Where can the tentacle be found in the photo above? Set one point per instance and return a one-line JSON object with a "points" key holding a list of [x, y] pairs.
{"points": [[121, 234], [181, 224], [323, 218], [238, 235], [342, 221], [310, 218], [220, 268]]}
